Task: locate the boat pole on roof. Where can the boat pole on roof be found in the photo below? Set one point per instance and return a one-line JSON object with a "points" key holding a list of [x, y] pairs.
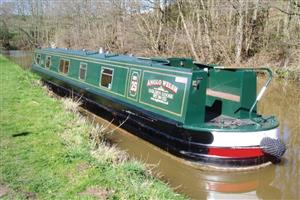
{"points": [[263, 89]]}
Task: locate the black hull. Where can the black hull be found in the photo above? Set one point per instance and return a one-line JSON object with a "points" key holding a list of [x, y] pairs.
{"points": [[167, 135]]}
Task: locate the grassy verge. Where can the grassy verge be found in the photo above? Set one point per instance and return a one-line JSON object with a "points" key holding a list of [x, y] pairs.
{"points": [[46, 152]]}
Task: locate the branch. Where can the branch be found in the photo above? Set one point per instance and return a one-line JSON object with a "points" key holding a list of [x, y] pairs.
{"points": [[29, 36], [296, 4], [285, 12]]}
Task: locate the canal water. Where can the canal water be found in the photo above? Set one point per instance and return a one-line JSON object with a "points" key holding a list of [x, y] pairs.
{"points": [[280, 181], [22, 58]]}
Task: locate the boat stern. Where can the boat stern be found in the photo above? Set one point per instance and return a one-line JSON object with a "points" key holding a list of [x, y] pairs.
{"points": [[238, 143], [265, 145]]}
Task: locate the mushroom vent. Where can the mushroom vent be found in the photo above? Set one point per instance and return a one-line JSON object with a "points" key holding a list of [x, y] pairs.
{"points": [[274, 147]]}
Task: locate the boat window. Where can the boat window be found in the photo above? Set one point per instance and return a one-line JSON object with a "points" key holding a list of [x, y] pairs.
{"points": [[82, 71], [38, 59], [64, 66], [48, 62], [106, 77]]}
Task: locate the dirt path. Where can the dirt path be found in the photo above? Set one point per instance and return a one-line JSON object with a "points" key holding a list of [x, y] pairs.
{"points": [[3, 190]]}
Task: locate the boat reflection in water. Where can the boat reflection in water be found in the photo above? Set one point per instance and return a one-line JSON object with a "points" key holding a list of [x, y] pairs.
{"points": [[249, 185], [196, 183]]}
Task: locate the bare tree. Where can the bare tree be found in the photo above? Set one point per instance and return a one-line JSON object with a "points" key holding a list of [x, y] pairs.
{"points": [[211, 31]]}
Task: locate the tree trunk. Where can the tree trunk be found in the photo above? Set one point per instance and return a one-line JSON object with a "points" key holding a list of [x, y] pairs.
{"points": [[188, 35], [239, 33]]}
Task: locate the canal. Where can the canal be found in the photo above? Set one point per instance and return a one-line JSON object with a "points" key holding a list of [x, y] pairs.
{"points": [[280, 181]]}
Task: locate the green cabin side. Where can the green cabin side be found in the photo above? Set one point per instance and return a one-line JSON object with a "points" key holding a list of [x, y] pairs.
{"points": [[179, 90]]}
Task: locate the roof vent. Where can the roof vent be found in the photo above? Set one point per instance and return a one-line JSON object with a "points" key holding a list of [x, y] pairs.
{"points": [[53, 45]]}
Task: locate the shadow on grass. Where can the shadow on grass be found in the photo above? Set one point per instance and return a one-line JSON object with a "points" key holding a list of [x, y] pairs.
{"points": [[25, 133]]}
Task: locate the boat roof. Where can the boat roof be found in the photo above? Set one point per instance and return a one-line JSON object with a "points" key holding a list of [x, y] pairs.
{"points": [[182, 64]]}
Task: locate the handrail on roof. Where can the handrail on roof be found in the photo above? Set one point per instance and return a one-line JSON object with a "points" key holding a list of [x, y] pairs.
{"points": [[143, 58], [161, 60], [203, 65], [90, 52], [110, 55]]}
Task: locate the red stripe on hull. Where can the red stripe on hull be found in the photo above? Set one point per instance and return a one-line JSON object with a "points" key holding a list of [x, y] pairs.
{"points": [[236, 152]]}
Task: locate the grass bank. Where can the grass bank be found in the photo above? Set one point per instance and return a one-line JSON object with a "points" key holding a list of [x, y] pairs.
{"points": [[46, 152]]}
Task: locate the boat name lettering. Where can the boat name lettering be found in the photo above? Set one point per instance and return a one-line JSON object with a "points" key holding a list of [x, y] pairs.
{"points": [[169, 86], [162, 91]]}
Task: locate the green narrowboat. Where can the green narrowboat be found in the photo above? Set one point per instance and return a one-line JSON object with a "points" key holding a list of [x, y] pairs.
{"points": [[202, 113]]}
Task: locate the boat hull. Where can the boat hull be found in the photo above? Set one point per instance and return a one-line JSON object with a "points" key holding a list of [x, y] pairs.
{"points": [[200, 147]]}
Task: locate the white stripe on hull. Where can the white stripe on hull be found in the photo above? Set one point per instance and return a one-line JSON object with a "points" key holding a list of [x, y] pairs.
{"points": [[242, 139]]}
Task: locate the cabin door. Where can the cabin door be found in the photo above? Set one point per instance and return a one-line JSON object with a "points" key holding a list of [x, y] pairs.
{"points": [[134, 84]]}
